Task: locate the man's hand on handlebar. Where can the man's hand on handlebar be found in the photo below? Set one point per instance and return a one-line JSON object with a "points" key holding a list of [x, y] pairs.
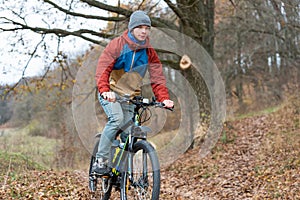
{"points": [[109, 96], [168, 103]]}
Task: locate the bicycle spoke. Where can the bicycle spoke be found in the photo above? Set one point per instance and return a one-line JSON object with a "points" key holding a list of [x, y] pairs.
{"points": [[142, 178]]}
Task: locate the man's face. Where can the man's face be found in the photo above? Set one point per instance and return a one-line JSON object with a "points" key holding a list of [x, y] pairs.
{"points": [[141, 32]]}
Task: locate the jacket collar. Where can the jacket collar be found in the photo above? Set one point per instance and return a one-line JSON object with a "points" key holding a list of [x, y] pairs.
{"points": [[133, 45]]}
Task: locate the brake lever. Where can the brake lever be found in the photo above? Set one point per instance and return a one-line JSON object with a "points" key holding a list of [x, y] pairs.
{"points": [[162, 105], [171, 109]]}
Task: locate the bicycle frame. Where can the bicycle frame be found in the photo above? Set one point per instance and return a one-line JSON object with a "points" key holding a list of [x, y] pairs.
{"points": [[122, 174], [135, 125]]}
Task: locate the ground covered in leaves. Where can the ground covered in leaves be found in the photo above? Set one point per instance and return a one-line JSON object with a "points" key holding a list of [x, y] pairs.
{"points": [[257, 157]]}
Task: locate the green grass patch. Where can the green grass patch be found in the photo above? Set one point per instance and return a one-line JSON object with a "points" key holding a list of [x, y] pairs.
{"points": [[226, 138], [15, 163], [37, 148], [258, 113]]}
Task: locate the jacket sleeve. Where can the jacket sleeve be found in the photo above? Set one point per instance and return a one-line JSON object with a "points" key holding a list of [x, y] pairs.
{"points": [[157, 78], [105, 65]]}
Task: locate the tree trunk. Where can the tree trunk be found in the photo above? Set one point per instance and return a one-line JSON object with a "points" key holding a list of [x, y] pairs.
{"points": [[198, 23]]}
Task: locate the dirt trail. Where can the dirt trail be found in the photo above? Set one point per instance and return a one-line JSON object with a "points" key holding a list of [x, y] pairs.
{"points": [[259, 159], [256, 158]]}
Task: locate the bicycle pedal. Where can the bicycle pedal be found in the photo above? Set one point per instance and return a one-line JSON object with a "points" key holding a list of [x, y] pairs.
{"points": [[95, 175], [92, 175]]}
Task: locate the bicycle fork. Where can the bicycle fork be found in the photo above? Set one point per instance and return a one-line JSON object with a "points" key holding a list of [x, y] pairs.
{"points": [[144, 181]]}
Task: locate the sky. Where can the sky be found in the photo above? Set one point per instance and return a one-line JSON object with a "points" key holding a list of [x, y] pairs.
{"points": [[14, 58]]}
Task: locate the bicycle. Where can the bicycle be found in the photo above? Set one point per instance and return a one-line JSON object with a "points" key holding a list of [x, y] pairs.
{"points": [[134, 164]]}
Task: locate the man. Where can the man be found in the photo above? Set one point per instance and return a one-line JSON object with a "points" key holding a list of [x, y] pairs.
{"points": [[121, 68]]}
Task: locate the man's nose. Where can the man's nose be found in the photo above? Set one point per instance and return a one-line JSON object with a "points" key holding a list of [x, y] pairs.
{"points": [[144, 30]]}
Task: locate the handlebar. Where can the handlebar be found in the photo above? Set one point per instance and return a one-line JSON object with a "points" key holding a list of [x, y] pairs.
{"points": [[141, 102]]}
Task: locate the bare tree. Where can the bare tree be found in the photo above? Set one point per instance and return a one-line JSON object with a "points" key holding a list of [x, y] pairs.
{"points": [[74, 18], [80, 19], [258, 49]]}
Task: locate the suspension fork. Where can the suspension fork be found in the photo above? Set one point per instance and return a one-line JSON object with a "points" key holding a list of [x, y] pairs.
{"points": [[131, 140], [130, 167], [130, 164], [130, 157]]}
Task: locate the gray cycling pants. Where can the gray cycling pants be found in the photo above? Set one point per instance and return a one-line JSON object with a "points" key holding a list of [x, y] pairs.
{"points": [[117, 114]]}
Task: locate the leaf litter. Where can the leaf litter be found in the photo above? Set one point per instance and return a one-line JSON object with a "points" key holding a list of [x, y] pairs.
{"points": [[258, 158]]}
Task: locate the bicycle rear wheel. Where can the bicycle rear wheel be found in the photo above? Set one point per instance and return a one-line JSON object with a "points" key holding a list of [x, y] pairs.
{"points": [[145, 183], [101, 186]]}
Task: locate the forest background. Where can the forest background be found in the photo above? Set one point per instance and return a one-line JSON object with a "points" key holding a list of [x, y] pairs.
{"points": [[254, 44]]}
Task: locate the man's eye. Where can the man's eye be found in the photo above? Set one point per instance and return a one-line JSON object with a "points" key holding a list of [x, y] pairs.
{"points": [[145, 27]]}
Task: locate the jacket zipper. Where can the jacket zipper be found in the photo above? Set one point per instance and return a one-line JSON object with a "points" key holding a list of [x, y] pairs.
{"points": [[132, 61]]}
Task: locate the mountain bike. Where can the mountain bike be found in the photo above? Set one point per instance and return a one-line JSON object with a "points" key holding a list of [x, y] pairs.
{"points": [[134, 166]]}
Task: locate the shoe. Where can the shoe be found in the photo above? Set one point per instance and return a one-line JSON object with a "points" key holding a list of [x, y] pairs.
{"points": [[100, 167]]}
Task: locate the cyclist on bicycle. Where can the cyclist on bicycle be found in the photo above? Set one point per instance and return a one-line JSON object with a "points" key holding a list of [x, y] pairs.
{"points": [[120, 70]]}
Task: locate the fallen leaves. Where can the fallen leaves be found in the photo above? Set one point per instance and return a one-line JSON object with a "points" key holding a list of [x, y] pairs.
{"points": [[46, 185], [253, 165], [260, 161]]}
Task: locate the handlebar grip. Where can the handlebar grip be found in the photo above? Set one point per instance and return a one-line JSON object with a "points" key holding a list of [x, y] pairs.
{"points": [[101, 95], [171, 109]]}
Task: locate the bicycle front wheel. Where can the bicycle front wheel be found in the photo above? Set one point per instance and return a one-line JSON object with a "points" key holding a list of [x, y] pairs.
{"points": [[144, 182]]}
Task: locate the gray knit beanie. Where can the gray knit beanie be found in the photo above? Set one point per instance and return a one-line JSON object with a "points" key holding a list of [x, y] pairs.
{"points": [[138, 18]]}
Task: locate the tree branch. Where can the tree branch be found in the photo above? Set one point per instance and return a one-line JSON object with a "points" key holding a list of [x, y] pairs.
{"points": [[103, 6], [174, 8], [75, 14], [233, 4], [266, 32], [32, 55], [156, 22], [59, 32]]}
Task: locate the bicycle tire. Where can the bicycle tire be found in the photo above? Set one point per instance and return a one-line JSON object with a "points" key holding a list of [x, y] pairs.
{"points": [[103, 195], [146, 184]]}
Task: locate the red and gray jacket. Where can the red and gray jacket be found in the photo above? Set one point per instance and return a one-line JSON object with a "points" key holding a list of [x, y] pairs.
{"points": [[123, 64]]}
